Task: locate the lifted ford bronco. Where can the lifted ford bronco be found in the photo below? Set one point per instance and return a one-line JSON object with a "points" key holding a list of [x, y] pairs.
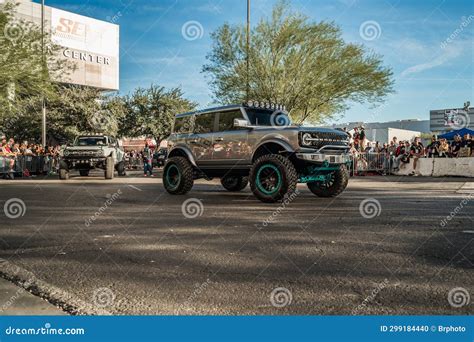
{"points": [[256, 143], [90, 152]]}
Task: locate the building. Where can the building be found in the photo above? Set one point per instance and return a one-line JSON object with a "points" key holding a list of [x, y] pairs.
{"points": [[444, 120], [422, 126], [385, 135], [385, 131], [91, 44]]}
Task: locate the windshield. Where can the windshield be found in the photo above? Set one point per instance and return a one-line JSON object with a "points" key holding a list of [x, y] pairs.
{"points": [[91, 141], [263, 117]]}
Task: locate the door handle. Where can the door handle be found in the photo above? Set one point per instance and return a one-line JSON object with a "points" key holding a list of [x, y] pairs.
{"points": [[194, 141], [219, 139]]}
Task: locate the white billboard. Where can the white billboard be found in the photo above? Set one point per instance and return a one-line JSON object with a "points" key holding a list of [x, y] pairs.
{"points": [[83, 33], [91, 44]]}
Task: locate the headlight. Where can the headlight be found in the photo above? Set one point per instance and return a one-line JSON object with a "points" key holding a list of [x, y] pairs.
{"points": [[306, 139], [100, 153], [66, 153]]}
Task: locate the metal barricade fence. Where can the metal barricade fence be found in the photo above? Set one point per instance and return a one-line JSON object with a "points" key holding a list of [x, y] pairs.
{"points": [[134, 163], [366, 162], [28, 165]]}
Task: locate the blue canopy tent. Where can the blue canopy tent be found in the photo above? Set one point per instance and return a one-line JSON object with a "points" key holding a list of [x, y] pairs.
{"points": [[461, 132]]}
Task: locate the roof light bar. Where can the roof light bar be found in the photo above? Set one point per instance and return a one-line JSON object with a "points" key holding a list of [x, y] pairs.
{"points": [[264, 105]]}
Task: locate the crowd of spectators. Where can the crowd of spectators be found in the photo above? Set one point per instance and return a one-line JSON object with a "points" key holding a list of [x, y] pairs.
{"points": [[391, 156], [29, 157]]}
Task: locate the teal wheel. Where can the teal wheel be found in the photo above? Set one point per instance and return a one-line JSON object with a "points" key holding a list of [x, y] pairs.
{"points": [[272, 177], [178, 176]]}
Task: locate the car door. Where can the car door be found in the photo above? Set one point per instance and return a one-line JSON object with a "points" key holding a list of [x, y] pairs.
{"points": [[230, 146], [201, 140]]}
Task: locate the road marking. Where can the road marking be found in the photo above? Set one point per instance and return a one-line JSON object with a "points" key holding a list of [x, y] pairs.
{"points": [[134, 187]]}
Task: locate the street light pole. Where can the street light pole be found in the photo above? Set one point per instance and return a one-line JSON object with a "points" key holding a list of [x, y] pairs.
{"points": [[248, 50], [43, 102]]}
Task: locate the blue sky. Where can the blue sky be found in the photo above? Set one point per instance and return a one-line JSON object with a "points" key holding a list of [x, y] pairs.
{"points": [[430, 71]]}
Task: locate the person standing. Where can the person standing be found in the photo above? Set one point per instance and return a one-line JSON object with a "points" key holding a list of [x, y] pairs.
{"points": [[9, 158], [362, 135], [356, 139], [416, 151], [147, 161]]}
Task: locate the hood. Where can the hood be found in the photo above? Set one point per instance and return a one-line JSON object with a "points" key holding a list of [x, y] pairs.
{"points": [[306, 129], [84, 148], [321, 130]]}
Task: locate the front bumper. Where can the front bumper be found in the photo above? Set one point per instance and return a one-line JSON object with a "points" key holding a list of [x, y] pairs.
{"points": [[342, 158], [85, 162]]}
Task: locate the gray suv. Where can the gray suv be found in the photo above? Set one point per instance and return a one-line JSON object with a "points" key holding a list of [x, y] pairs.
{"points": [[255, 142]]}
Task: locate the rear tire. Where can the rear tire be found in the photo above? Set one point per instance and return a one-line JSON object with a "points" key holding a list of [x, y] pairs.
{"points": [[234, 183], [109, 168], [272, 177], [63, 174], [121, 169], [178, 176], [84, 173], [334, 187]]}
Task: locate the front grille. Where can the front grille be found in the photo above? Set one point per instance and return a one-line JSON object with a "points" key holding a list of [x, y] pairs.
{"points": [[320, 139], [83, 153]]}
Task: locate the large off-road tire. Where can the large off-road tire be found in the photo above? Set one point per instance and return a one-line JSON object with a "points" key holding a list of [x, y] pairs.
{"points": [[84, 173], [109, 168], [234, 183], [63, 174], [178, 176], [334, 186], [121, 169], [272, 177]]}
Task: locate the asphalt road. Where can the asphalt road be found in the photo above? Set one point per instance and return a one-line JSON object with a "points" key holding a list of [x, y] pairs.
{"points": [[126, 247]]}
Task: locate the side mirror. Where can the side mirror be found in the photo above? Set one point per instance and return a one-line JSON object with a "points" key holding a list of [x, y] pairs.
{"points": [[239, 123]]}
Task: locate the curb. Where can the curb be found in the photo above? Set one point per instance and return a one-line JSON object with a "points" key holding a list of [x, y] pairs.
{"points": [[66, 301]]}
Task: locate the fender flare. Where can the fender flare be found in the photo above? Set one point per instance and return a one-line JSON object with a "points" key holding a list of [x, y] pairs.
{"points": [[186, 151], [285, 146]]}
